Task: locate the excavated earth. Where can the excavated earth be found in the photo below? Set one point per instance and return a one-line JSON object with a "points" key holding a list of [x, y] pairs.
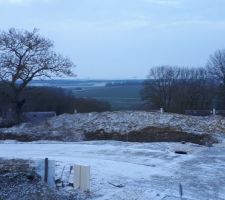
{"points": [[19, 181], [122, 125]]}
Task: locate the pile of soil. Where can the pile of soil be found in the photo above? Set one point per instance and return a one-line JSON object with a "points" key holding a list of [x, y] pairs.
{"points": [[154, 134], [133, 126]]}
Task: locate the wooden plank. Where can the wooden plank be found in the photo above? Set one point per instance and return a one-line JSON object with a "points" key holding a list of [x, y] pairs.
{"points": [[82, 177], [85, 178], [51, 173], [77, 176]]}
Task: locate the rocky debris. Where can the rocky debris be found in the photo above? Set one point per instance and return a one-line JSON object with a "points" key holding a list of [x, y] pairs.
{"points": [[18, 180], [122, 125]]}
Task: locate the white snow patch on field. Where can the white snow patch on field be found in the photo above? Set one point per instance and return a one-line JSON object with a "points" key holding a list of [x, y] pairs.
{"points": [[146, 170]]}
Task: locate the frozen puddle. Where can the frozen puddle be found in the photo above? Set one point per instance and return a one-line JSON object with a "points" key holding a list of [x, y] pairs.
{"points": [[141, 170]]}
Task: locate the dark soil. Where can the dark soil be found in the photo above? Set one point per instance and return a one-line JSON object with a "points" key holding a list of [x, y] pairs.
{"points": [[153, 134], [149, 134]]}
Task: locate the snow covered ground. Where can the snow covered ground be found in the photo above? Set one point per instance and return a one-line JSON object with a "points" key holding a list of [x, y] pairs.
{"points": [[143, 170]]}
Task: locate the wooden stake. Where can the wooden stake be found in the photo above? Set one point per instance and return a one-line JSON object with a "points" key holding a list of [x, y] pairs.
{"points": [[46, 170]]}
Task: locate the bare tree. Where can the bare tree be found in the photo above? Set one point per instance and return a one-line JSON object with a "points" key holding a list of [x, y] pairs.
{"points": [[158, 88], [216, 66], [25, 55], [178, 88], [216, 69]]}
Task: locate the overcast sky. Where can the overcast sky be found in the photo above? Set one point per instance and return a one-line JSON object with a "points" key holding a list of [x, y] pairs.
{"points": [[123, 38]]}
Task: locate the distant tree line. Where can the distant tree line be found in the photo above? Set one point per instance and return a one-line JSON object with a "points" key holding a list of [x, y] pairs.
{"points": [[42, 99], [177, 89]]}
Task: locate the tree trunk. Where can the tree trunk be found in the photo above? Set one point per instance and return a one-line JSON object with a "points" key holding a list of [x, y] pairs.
{"points": [[18, 106]]}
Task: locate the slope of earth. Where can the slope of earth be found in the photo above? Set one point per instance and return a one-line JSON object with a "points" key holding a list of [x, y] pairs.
{"points": [[18, 180], [130, 171], [125, 126]]}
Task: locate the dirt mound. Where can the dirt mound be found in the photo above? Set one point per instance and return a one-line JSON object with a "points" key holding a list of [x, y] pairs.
{"points": [[125, 126], [153, 134]]}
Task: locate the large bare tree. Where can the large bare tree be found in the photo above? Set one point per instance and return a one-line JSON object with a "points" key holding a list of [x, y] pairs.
{"points": [[177, 89], [158, 88], [24, 56], [216, 66], [216, 70]]}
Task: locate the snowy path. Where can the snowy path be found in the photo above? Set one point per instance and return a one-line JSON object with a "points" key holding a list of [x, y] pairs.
{"points": [[147, 170]]}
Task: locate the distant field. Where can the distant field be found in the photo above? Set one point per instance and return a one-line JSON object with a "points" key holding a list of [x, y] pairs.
{"points": [[121, 94], [120, 97]]}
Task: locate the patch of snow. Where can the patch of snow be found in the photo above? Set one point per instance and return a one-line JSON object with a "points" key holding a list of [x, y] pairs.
{"points": [[145, 170]]}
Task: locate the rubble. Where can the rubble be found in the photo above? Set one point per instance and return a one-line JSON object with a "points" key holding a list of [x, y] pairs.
{"points": [[122, 125], [18, 180]]}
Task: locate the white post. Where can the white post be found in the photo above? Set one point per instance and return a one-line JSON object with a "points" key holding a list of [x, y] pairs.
{"points": [[85, 178], [214, 111], [161, 110], [82, 177], [77, 176]]}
